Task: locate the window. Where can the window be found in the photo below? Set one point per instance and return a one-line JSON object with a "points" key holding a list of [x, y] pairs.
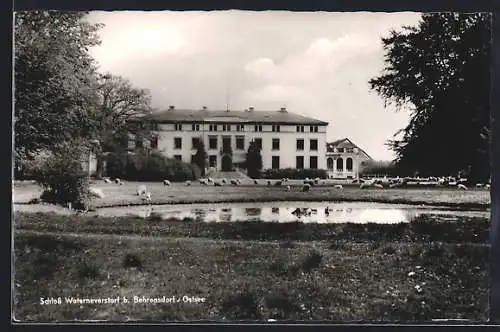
{"points": [[340, 165], [299, 162], [349, 150], [258, 142], [276, 162], [329, 163], [300, 129], [240, 142], [154, 142], [195, 127], [178, 157], [240, 127], [276, 128], [177, 143], [154, 126], [348, 164], [257, 128], [212, 161], [178, 126], [341, 150], [313, 145], [195, 141], [212, 142], [226, 127], [313, 162], [212, 127], [138, 143], [313, 129], [300, 144], [276, 143]]}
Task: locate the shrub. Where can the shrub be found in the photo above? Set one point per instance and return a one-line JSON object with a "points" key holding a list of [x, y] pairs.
{"points": [[150, 167], [292, 173], [62, 176]]}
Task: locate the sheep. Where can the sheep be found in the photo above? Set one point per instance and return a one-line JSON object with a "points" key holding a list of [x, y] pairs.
{"points": [[224, 181], [327, 211], [278, 183], [479, 185], [203, 181], [96, 192], [378, 186], [255, 181], [306, 187], [338, 186], [269, 182], [210, 180], [141, 190], [166, 183], [487, 186], [461, 186], [106, 180], [217, 184], [364, 185], [233, 182], [187, 183], [288, 188], [117, 181], [121, 183], [452, 183]]}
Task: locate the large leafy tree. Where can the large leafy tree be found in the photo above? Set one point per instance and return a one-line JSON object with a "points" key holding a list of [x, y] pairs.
{"points": [[54, 78], [253, 160], [440, 70], [117, 112]]}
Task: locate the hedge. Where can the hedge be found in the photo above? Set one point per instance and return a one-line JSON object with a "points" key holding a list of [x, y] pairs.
{"points": [[293, 173]]}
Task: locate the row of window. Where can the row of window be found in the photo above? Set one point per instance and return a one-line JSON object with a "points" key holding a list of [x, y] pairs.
{"points": [[239, 127], [340, 164]]}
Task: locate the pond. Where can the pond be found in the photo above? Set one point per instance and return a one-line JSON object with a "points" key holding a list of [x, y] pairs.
{"points": [[307, 212]]}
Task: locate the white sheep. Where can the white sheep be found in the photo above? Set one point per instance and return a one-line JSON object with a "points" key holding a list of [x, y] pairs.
{"points": [[224, 181], [96, 192], [487, 186], [306, 187], [378, 186], [288, 188], [147, 197], [256, 181], [187, 183], [461, 186], [217, 183], [117, 181], [166, 183], [234, 182], [210, 180], [106, 180], [203, 181], [338, 186], [364, 185], [141, 190], [479, 185]]}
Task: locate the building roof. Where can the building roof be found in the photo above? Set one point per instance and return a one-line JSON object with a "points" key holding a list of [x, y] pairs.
{"points": [[276, 117], [330, 146]]}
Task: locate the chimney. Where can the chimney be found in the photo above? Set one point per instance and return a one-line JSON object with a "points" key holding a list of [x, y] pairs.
{"points": [[204, 108], [283, 109], [250, 109], [171, 107]]}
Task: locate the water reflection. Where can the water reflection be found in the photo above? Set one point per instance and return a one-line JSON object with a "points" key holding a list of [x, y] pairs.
{"points": [[307, 212]]}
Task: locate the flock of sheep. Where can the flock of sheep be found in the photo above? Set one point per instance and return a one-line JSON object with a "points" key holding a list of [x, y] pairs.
{"points": [[450, 182]]}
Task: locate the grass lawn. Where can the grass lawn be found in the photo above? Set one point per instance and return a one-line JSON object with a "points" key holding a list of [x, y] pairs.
{"points": [[250, 271], [117, 195]]}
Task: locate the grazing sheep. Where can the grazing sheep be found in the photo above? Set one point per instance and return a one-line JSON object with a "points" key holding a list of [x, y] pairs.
{"points": [[96, 192], [378, 186], [479, 185], [187, 183], [269, 182], [364, 185], [461, 186], [306, 187], [487, 186], [278, 183], [147, 197], [166, 183], [217, 184], [452, 183], [224, 181], [106, 180], [255, 181], [203, 181], [141, 190], [233, 182], [117, 181], [338, 186], [210, 180], [288, 188]]}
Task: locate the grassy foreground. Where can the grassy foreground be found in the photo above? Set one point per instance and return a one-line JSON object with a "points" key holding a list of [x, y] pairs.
{"points": [[407, 272], [116, 195]]}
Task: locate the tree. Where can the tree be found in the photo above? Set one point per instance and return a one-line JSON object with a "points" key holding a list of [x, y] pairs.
{"points": [[253, 160], [440, 70], [118, 104], [53, 79], [200, 157]]}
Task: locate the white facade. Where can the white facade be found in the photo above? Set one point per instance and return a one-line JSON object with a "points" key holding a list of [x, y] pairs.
{"points": [[285, 142], [344, 159]]}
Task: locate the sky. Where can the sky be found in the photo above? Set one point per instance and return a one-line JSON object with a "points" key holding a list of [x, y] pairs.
{"points": [[316, 64]]}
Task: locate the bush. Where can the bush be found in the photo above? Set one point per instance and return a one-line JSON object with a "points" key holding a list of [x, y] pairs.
{"points": [[292, 173], [62, 176], [150, 167]]}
